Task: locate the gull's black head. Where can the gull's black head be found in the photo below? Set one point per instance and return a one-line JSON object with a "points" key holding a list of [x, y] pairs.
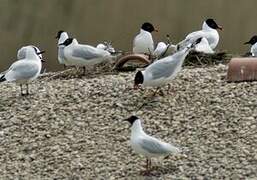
{"points": [[148, 27], [67, 42], [252, 41], [139, 79], [212, 24], [132, 119], [59, 34]]}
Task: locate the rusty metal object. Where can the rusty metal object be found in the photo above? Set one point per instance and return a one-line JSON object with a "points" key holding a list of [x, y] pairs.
{"points": [[135, 58], [242, 69]]}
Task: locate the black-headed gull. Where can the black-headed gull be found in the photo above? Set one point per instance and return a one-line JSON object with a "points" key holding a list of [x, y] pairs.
{"points": [[209, 31], [83, 55], [164, 70], [61, 37], [143, 42], [146, 145], [253, 42], [24, 70]]}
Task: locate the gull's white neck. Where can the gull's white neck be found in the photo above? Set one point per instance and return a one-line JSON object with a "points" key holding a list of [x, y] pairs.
{"points": [[144, 32], [136, 128], [63, 37], [206, 27]]}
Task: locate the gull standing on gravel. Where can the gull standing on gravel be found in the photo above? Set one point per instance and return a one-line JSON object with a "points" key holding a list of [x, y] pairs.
{"points": [[209, 31], [253, 42], [146, 145], [24, 70], [83, 55], [61, 37], [164, 70], [143, 42]]}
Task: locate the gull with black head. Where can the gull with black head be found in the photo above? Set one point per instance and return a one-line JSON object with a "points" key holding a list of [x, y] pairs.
{"points": [[143, 42], [83, 55], [209, 31], [161, 72], [146, 145]]}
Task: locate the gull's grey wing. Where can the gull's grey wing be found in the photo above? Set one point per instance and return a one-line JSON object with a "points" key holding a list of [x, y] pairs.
{"points": [[153, 146], [22, 69], [88, 52], [163, 69]]}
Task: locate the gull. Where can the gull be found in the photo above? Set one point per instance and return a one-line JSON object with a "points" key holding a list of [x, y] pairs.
{"points": [[209, 31], [164, 70], [83, 55], [253, 42], [146, 145], [24, 70], [61, 36], [143, 42]]}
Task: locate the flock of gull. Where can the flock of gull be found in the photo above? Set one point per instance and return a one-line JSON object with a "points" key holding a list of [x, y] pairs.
{"points": [[159, 73]]}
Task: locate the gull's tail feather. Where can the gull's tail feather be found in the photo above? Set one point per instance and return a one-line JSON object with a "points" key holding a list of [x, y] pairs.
{"points": [[2, 78], [182, 44], [174, 149]]}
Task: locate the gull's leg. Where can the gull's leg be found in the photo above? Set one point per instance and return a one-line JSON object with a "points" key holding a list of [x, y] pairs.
{"points": [[170, 89], [161, 92], [27, 91], [84, 70], [155, 92], [64, 66], [147, 165], [21, 90]]}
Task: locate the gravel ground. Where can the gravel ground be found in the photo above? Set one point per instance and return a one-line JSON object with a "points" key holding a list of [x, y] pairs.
{"points": [[72, 128]]}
